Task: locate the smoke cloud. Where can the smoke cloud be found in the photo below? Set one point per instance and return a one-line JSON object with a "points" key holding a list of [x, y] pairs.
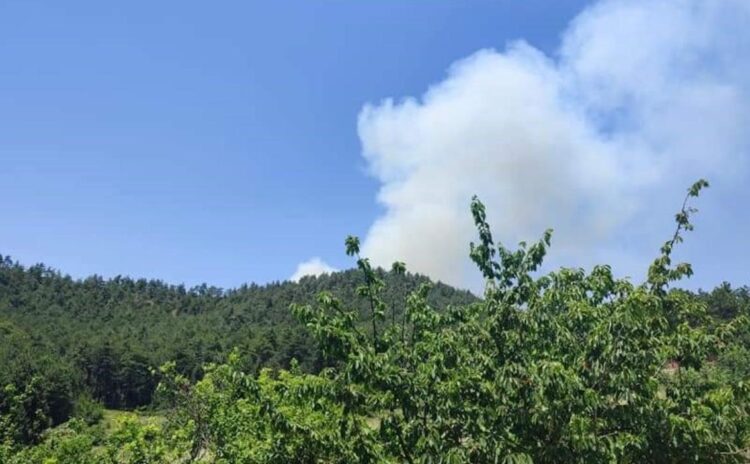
{"points": [[642, 98], [311, 267]]}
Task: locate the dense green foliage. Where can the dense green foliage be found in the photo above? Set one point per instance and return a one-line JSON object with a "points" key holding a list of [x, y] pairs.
{"points": [[37, 390], [68, 344], [571, 366]]}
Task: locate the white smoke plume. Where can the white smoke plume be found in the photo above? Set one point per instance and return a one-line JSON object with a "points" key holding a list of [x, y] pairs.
{"points": [[643, 97], [311, 267]]}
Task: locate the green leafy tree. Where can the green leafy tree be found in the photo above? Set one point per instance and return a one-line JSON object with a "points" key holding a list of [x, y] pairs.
{"points": [[567, 367]]}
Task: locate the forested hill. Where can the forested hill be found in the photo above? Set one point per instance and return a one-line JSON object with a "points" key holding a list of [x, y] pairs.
{"points": [[107, 334], [67, 345]]}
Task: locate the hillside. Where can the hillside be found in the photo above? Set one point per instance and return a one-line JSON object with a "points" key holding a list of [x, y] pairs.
{"points": [[569, 366], [108, 334]]}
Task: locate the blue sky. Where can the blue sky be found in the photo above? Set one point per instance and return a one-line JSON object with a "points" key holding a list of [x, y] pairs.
{"points": [[220, 143]]}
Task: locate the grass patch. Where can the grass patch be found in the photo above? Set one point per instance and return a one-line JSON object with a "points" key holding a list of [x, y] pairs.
{"points": [[111, 419]]}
